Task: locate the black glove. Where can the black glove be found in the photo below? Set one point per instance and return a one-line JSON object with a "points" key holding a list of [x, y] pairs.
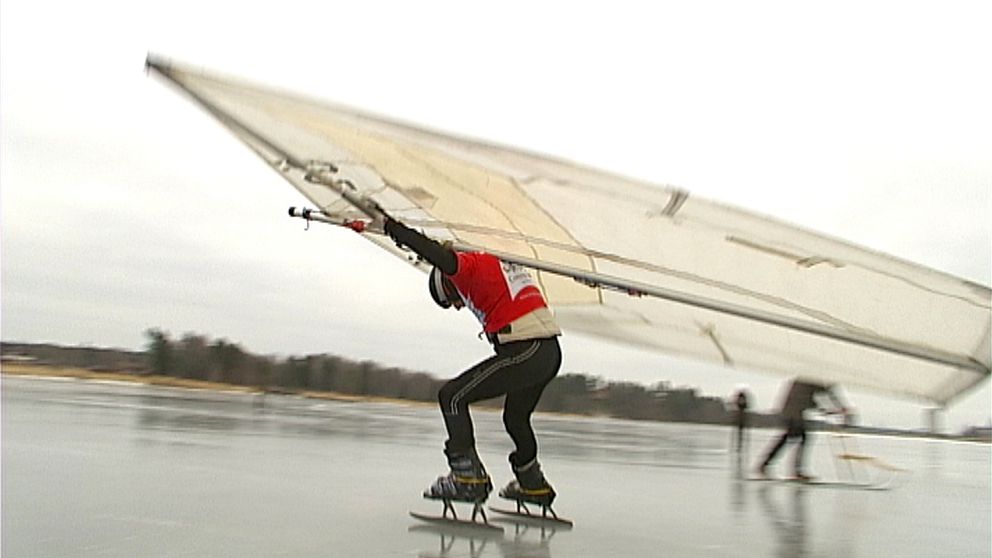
{"points": [[436, 254], [392, 227]]}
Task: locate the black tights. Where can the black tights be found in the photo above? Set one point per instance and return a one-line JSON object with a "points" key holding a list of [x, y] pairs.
{"points": [[794, 428], [520, 370]]}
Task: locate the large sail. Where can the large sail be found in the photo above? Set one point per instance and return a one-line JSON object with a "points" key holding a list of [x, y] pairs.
{"points": [[634, 262]]}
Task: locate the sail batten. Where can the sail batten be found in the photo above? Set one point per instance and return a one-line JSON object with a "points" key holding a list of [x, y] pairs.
{"points": [[726, 285]]}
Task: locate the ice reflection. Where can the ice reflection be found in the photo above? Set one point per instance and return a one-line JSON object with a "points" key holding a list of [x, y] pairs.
{"points": [[740, 462], [519, 540], [455, 541], [738, 496], [788, 521], [527, 540]]}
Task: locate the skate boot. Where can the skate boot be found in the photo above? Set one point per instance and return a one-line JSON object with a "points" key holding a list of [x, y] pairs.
{"points": [[530, 486], [761, 473], [803, 477], [467, 481]]}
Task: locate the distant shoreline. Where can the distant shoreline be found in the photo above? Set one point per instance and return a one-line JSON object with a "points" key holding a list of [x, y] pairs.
{"points": [[43, 370]]}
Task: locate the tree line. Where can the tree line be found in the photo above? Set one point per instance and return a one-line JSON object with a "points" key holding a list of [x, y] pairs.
{"points": [[195, 356]]}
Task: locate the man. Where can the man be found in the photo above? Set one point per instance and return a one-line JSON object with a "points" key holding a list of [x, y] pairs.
{"points": [[523, 332], [802, 395], [741, 403]]}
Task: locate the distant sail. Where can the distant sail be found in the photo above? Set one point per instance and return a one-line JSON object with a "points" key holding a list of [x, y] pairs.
{"points": [[715, 283]]}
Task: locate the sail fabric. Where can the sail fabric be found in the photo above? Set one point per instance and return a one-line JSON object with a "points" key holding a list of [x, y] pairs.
{"points": [[933, 328]]}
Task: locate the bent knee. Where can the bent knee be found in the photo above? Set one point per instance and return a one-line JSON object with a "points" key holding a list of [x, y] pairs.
{"points": [[446, 394], [515, 422]]}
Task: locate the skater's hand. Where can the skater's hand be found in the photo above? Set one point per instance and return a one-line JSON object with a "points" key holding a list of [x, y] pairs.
{"points": [[389, 226], [379, 215]]}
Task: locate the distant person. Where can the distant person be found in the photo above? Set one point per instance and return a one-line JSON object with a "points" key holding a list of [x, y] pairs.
{"points": [[802, 395], [740, 402], [516, 320]]}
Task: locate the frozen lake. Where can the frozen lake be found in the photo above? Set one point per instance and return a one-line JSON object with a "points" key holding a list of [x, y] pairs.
{"points": [[97, 469]]}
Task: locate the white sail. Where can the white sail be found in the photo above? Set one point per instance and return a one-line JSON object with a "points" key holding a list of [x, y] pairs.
{"points": [[715, 283]]}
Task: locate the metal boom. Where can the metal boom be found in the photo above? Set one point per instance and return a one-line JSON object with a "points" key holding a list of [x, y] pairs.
{"points": [[634, 288]]}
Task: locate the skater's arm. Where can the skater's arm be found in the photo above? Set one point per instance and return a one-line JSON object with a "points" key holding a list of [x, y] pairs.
{"points": [[439, 256], [836, 404]]}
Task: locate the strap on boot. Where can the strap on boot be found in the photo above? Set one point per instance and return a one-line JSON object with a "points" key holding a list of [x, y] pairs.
{"points": [[529, 475], [466, 466]]}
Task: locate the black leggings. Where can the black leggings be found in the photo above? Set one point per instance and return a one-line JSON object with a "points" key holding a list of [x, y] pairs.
{"points": [[520, 370], [794, 428]]}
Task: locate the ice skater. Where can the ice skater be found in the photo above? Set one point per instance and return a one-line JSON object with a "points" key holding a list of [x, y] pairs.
{"points": [[802, 395], [517, 321], [741, 402]]}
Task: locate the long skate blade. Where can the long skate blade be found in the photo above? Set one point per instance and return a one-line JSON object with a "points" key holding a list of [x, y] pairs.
{"points": [[822, 483], [532, 518], [464, 525]]}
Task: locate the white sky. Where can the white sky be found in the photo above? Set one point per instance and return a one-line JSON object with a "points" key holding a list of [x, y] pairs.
{"points": [[125, 207]]}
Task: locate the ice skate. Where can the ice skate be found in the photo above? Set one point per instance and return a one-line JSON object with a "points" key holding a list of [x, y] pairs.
{"points": [[761, 473], [799, 476], [466, 482], [530, 487]]}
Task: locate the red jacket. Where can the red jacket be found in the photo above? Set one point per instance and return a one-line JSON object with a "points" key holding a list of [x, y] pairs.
{"points": [[495, 291]]}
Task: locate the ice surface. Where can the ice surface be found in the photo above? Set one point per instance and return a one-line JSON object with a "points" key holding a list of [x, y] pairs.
{"points": [[99, 469]]}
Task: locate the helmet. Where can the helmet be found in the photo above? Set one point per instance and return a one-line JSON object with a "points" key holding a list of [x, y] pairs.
{"points": [[442, 290]]}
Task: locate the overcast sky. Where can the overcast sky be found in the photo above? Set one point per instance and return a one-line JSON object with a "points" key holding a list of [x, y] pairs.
{"points": [[125, 207]]}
